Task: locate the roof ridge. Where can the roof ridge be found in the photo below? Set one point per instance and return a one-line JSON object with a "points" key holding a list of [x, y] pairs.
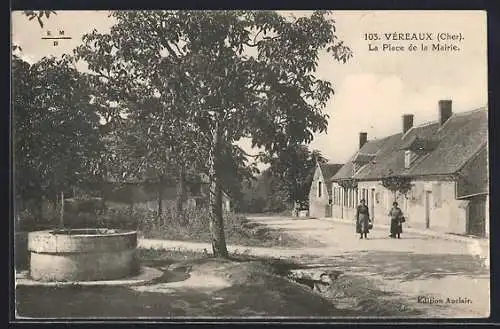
{"points": [[479, 109], [375, 139], [428, 123], [454, 114]]}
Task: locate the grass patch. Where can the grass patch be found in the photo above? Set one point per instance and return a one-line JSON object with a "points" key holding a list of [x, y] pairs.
{"points": [[192, 225]]}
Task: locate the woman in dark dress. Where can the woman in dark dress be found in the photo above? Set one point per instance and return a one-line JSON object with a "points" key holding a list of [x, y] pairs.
{"points": [[362, 219], [397, 220]]}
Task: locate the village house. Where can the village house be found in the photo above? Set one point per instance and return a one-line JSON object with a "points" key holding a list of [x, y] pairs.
{"points": [[145, 194], [320, 193], [445, 164]]}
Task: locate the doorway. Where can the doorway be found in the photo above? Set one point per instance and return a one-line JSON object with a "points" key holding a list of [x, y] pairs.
{"points": [[428, 209], [476, 223]]}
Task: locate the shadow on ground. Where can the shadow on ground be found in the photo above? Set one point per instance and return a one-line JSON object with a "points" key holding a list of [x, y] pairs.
{"points": [[255, 287], [405, 266]]}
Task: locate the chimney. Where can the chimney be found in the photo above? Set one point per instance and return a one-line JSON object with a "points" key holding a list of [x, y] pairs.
{"points": [[445, 111], [407, 122], [363, 137]]}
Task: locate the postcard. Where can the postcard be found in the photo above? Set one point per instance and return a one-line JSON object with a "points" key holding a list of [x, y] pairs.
{"points": [[234, 164]]}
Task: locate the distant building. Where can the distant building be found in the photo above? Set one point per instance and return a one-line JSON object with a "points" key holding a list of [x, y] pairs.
{"points": [[320, 193], [446, 162], [146, 194]]}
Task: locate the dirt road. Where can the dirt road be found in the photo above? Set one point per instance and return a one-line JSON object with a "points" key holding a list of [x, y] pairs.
{"points": [[445, 278]]}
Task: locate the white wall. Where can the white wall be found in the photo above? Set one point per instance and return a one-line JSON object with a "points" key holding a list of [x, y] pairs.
{"points": [[318, 204], [446, 213]]}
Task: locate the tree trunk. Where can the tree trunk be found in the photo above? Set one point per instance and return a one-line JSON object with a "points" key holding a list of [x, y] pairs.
{"points": [[180, 190], [219, 247], [160, 196]]}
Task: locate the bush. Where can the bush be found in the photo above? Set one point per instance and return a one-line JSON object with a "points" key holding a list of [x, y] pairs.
{"points": [[27, 221], [191, 224]]}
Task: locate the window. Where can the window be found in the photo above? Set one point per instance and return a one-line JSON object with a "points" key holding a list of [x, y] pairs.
{"points": [[408, 158], [319, 189]]}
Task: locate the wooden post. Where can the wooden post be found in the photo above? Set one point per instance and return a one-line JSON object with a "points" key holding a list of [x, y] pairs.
{"points": [[61, 219]]}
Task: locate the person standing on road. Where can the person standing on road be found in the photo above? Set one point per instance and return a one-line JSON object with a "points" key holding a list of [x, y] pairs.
{"points": [[397, 220], [362, 219]]}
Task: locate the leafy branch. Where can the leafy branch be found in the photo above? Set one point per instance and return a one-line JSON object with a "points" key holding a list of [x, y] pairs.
{"points": [[397, 183], [348, 183], [31, 14]]}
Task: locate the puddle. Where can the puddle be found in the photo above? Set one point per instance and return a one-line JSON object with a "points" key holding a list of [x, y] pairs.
{"points": [[353, 292]]}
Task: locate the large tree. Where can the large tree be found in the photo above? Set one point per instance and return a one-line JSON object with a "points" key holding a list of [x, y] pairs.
{"points": [[291, 173], [55, 129], [226, 75]]}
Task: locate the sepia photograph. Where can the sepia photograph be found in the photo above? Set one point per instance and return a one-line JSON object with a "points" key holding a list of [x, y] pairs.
{"points": [[250, 164]]}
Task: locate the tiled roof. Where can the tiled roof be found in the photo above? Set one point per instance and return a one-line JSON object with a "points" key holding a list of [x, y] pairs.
{"points": [[363, 158], [416, 143], [329, 169], [371, 147], [454, 143]]}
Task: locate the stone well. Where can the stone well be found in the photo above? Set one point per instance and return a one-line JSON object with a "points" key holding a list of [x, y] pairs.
{"points": [[82, 254]]}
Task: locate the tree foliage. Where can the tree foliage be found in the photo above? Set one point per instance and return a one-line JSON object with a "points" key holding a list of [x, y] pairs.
{"points": [[286, 182], [55, 129], [39, 15], [292, 172], [348, 183], [217, 77], [397, 184]]}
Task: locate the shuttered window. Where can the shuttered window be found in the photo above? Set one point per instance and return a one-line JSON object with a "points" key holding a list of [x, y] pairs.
{"points": [[436, 194]]}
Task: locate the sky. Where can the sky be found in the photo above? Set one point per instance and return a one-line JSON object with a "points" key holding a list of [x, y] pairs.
{"points": [[372, 90]]}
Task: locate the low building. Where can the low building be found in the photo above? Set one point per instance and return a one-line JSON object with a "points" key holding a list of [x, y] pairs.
{"points": [[320, 193], [146, 194], [444, 163]]}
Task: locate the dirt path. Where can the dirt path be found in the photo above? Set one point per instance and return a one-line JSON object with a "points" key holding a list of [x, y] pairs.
{"points": [[453, 275], [414, 270]]}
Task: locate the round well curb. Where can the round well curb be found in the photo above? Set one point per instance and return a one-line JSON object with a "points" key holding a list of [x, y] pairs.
{"points": [[146, 275]]}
